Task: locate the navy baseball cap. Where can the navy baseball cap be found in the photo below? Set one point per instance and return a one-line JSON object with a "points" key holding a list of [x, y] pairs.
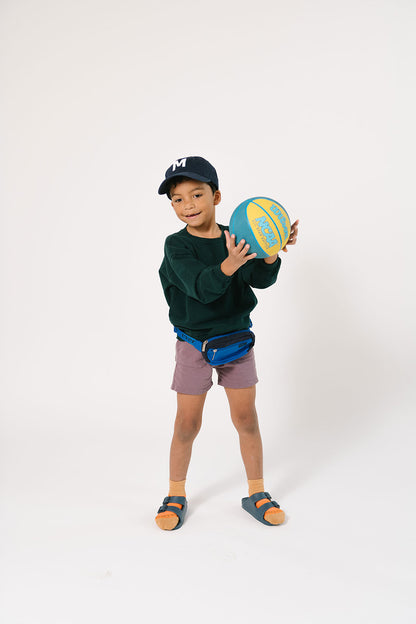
{"points": [[193, 167]]}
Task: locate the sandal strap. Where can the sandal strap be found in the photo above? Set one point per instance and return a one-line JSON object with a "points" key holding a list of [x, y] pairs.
{"points": [[258, 496], [266, 506], [180, 500]]}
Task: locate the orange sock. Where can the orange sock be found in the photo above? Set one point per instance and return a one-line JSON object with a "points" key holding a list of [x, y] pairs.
{"points": [[255, 485], [167, 520], [274, 515]]}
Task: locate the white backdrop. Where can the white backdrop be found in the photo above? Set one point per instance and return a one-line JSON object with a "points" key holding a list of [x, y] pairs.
{"points": [[308, 102]]}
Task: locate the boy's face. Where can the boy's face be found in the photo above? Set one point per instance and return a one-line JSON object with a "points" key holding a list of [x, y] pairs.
{"points": [[194, 203]]}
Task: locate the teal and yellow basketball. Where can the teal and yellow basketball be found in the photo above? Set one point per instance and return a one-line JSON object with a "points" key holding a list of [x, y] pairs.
{"points": [[263, 223]]}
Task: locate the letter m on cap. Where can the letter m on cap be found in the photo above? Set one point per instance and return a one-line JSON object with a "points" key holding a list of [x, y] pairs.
{"points": [[179, 163]]}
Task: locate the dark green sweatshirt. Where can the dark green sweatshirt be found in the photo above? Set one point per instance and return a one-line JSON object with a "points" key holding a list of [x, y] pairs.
{"points": [[203, 301]]}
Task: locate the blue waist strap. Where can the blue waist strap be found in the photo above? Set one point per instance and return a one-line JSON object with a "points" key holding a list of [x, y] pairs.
{"points": [[193, 341]]}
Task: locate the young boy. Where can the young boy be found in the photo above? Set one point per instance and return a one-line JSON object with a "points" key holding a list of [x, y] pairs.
{"points": [[207, 280]]}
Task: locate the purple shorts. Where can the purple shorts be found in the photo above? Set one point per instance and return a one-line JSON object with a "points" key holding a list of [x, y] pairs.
{"points": [[193, 375]]}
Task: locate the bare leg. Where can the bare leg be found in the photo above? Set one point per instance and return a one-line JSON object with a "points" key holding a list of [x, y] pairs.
{"points": [[187, 425], [244, 418]]}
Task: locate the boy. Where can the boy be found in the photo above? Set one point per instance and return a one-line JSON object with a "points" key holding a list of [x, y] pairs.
{"points": [[207, 282]]}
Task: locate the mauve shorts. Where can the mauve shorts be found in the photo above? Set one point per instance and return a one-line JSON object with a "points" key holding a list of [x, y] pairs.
{"points": [[193, 375]]}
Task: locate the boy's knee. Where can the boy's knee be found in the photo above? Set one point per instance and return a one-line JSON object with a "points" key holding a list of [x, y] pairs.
{"points": [[246, 422], [186, 429]]}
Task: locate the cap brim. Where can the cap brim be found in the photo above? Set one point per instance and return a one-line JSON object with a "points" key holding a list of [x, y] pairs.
{"points": [[163, 188]]}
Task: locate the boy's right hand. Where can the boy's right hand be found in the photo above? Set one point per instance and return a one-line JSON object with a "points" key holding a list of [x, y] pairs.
{"points": [[237, 254]]}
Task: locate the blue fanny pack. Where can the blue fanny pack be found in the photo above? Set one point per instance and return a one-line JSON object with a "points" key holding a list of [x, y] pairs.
{"points": [[222, 349]]}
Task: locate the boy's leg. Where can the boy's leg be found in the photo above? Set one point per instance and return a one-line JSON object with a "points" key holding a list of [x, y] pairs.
{"points": [[187, 425], [244, 418]]}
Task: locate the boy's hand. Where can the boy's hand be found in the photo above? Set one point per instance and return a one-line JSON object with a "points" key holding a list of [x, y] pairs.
{"points": [[290, 241], [293, 235], [237, 254]]}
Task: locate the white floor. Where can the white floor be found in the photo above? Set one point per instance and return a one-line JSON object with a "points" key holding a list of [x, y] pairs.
{"points": [[79, 543]]}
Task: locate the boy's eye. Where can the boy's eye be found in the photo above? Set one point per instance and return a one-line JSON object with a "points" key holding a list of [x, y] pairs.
{"points": [[176, 201], [197, 194]]}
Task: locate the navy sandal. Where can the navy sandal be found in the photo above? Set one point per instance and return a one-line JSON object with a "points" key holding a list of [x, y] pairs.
{"points": [[249, 504], [181, 500]]}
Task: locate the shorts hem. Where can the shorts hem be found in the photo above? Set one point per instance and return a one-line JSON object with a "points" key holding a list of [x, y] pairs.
{"points": [[238, 386], [194, 393]]}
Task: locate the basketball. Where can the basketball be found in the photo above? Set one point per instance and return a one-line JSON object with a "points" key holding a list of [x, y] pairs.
{"points": [[263, 223]]}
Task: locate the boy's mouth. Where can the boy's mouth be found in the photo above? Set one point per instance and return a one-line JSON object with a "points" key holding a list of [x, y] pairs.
{"points": [[193, 215]]}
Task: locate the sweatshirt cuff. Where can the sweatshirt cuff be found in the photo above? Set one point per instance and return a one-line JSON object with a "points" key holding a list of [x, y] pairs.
{"points": [[220, 278], [272, 267]]}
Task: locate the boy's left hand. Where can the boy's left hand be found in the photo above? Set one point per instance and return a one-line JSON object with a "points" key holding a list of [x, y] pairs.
{"points": [[290, 241], [293, 235]]}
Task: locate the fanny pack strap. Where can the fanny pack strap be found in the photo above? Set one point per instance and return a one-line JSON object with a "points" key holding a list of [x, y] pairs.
{"points": [[193, 341]]}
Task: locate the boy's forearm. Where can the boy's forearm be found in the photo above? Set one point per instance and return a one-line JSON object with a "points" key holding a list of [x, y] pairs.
{"points": [[271, 259], [206, 286], [228, 268]]}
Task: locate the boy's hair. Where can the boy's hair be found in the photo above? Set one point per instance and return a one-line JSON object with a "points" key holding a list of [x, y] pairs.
{"points": [[179, 179]]}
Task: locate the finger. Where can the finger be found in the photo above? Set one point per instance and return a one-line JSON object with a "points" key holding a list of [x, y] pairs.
{"points": [[244, 251], [231, 239]]}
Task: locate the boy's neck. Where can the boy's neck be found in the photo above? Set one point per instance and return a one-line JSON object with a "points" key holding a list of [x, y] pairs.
{"points": [[213, 231]]}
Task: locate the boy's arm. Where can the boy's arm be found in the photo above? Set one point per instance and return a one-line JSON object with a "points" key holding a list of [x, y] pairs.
{"points": [[193, 277], [203, 283], [293, 236], [262, 274]]}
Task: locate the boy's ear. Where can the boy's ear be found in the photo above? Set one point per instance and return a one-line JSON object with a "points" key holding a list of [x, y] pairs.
{"points": [[217, 198]]}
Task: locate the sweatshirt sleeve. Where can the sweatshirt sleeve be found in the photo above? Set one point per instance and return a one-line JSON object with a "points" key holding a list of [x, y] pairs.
{"points": [[193, 277], [258, 274]]}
